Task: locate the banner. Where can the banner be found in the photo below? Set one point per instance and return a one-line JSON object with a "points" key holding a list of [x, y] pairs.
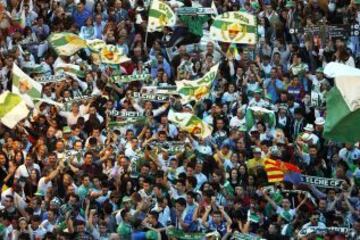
{"points": [[151, 97], [121, 79], [171, 147], [195, 11], [50, 78], [350, 233], [128, 121], [321, 181], [244, 236], [116, 113], [234, 27], [160, 15], [181, 235], [69, 101]]}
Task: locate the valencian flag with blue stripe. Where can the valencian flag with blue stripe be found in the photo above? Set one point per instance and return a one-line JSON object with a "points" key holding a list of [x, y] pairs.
{"points": [[278, 171]]}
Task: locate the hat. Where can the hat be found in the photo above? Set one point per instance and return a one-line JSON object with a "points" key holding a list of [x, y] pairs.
{"points": [[66, 129], [256, 150], [309, 127], [126, 199], [290, 4], [320, 70], [258, 90], [274, 151], [56, 201], [306, 137], [319, 121]]}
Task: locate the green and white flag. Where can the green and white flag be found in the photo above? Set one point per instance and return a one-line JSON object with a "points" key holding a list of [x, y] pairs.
{"points": [[234, 27], [190, 123], [160, 15], [12, 109], [95, 45], [66, 44], [30, 68], [343, 104], [196, 89], [262, 114], [72, 70], [23, 85], [112, 55]]}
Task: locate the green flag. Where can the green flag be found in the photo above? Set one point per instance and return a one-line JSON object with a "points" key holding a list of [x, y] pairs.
{"points": [[66, 44], [265, 115], [343, 104], [190, 123], [196, 89], [24, 85], [12, 109], [160, 15]]}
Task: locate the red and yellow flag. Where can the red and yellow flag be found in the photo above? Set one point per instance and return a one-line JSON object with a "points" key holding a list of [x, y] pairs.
{"points": [[276, 169]]}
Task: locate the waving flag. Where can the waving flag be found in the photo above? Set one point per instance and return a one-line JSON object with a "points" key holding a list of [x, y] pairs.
{"points": [[234, 27], [160, 15], [343, 104], [24, 85], [110, 54], [66, 44], [190, 123], [197, 89], [95, 45], [70, 69], [277, 170], [262, 114], [12, 109]]}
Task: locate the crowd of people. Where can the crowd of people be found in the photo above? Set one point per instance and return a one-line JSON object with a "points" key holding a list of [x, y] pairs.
{"points": [[67, 173]]}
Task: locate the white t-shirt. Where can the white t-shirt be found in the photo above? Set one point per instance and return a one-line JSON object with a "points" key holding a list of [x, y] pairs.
{"points": [[43, 186]]}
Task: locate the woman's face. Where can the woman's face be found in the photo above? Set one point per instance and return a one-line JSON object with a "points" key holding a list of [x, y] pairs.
{"points": [[18, 156], [33, 174], [242, 170], [22, 225], [129, 185], [234, 158], [234, 174], [251, 179]]}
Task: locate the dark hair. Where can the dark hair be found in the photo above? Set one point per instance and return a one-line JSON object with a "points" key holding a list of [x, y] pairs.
{"points": [[181, 201]]}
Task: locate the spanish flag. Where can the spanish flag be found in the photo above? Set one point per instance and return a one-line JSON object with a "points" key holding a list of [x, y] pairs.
{"points": [[276, 170]]}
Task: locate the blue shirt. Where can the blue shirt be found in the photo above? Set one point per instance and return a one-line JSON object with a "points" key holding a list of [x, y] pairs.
{"points": [[81, 17], [271, 88]]}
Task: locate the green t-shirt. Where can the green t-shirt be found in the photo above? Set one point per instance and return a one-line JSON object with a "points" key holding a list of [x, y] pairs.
{"points": [[124, 230]]}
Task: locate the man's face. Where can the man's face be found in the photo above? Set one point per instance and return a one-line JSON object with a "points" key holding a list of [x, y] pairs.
{"points": [[80, 7], [86, 181], [2, 160], [286, 204], [217, 218], [28, 161], [88, 159]]}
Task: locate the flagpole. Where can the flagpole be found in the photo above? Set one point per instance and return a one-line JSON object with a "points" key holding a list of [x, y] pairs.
{"points": [[147, 26]]}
